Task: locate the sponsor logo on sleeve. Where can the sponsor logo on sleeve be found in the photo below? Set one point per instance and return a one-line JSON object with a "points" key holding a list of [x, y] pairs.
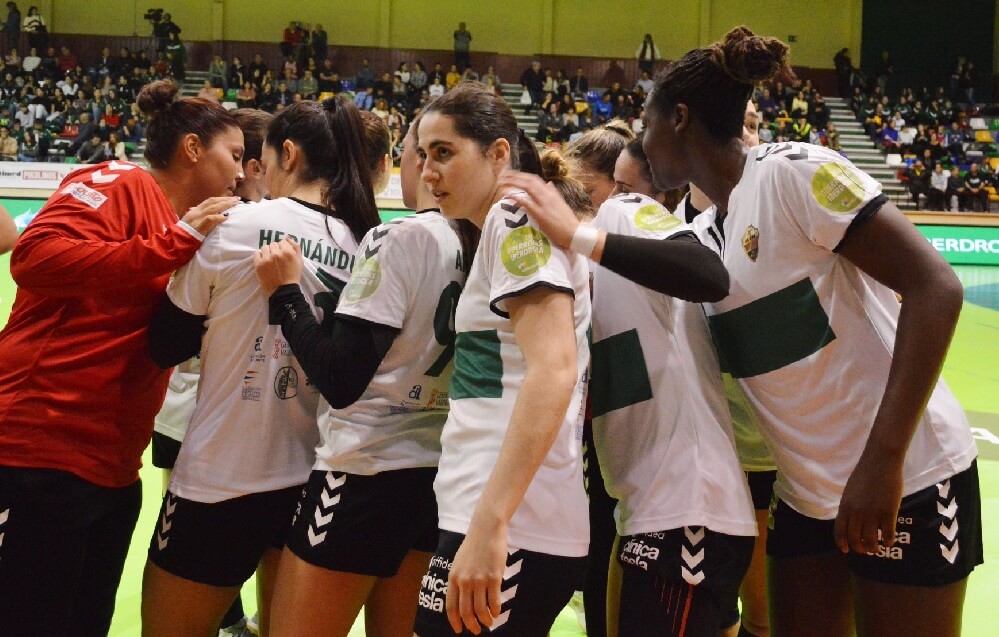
{"points": [[286, 383], [525, 251], [250, 389], [838, 187], [85, 194], [751, 243], [655, 219], [365, 279]]}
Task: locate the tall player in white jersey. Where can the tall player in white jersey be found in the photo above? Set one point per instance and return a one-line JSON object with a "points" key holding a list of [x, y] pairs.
{"points": [[367, 521], [509, 486], [876, 523], [251, 441]]}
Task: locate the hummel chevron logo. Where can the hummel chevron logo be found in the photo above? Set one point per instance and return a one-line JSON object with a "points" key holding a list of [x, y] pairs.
{"points": [[944, 489], [329, 501], [950, 554], [333, 483], [376, 234], [119, 166], [501, 619], [691, 578], [949, 511], [513, 569], [508, 594], [694, 537], [171, 505], [949, 532], [4, 515], [691, 560], [316, 538], [100, 178], [631, 200], [323, 520], [162, 540], [509, 207], [370, 252], [518, 223]]}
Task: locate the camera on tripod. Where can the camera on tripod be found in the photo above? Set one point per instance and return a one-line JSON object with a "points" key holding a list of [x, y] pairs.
{"points": [[154, 15]]}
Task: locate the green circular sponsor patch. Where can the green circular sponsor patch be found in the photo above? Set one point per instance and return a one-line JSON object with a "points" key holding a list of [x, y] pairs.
{"points": [[363, 281], [838, 187], [655, 219], [525, 251]]}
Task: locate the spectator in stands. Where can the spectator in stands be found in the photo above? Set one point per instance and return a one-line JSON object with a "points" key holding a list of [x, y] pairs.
{"points": [[267, 98], [906, 135], [290, 38], [319, 40], [365, 99], [844, 71], [67, 62], [364, 77], [217, 73], [889, 138], [579, 86], [437, 73], [967, 83], [31, 64], [832, 138], [400, 90], [818, 112], [802, 130], [113, 118], [417, 80], [954, 141], [34, 26], [469, 75], [549, 124], [24, 116], [403, 73], [937, 195], [208, 92], [532, 79], [114, 148], [289, 80], [238, 74], [13, 58], [647, 54], [177, 55], [246, 97], [918, 180], [123, 64], [644, 83], [452, 78], [462, 47], [284, 95], [258, 71], [799, 105], [602, 110], [491, 83], [381, 110], [8, 145], [12, 27], [955, 190], [163, 30], [326, 75], [384, 86], [976, 197], [29, 148], [436, 89], [308, 87]]}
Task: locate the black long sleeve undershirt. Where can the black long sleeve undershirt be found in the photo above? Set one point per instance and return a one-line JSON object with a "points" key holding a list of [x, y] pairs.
{"points": [[340, 363], [174, 335], [679, 266]]}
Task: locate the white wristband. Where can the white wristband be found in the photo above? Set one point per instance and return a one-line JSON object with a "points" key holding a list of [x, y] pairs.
{"points": [[584, 240]]}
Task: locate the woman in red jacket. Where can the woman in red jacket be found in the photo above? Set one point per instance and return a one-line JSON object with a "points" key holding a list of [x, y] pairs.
{"points": [[78, 391]]}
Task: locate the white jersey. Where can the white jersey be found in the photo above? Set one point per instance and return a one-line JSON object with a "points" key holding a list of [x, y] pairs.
{"points": [[181, 397], [254, 427], [661, 422], [408, 275], [749, 444], [513, 257], [809, 335]]}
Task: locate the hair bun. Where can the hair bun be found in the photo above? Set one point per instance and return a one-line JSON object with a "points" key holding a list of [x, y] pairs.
{"points": [[749, 59], [554, 167], [156, 97]]}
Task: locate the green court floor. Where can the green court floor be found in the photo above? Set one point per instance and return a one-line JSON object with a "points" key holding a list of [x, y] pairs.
{"points": [[972, 370]]}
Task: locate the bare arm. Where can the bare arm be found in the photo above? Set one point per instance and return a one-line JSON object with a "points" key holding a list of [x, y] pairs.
{"points": [[890, 249], [543, 325], [8, 231]]}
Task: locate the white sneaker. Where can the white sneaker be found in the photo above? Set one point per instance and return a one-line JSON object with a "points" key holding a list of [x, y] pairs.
{"points": [[253, 624]]}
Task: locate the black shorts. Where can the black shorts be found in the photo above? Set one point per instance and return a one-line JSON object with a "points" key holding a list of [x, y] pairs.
{"points": [[165, 451], [220, 544], [681, 582], [938, 536], [365, 524], [761, 488], [537, 587], [63, 542]]}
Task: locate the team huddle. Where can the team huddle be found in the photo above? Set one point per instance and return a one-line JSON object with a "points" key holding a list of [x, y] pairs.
{"points": [[561, 373]]}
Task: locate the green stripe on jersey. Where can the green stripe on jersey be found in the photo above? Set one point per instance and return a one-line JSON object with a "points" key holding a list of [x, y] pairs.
{"points": [[771, 332], [619, 376], [478, 367]]}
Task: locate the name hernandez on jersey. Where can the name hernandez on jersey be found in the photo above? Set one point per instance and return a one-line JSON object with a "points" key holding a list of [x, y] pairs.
{"points": [[254, 396], [661, 424], [818, 386], [409, 275]]}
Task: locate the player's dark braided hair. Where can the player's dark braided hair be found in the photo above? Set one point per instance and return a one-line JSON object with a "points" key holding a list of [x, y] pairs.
{"points": [[716, 81]]}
